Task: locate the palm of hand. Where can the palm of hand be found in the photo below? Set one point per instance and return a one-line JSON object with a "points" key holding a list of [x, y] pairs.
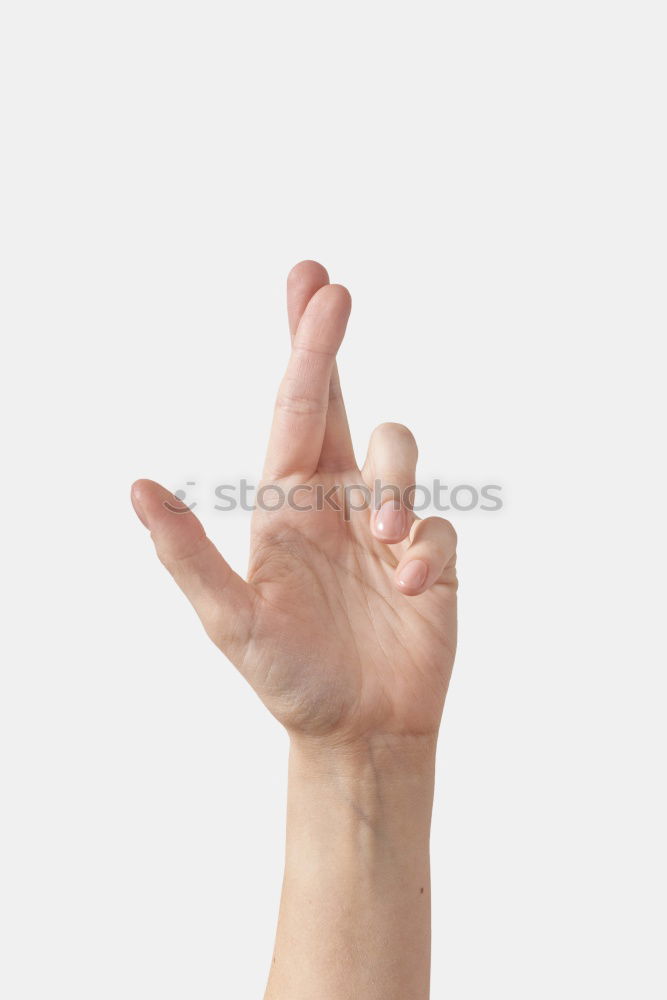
{"points": [[346, 626], [338, 647]]}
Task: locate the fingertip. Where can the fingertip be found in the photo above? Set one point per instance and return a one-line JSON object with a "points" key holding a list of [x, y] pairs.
{"points": [[411, 577], [331, 304], [324, 321], [390, 523], [341, 296], [140, 485], [154, 503], [136, 500], [309, 272], [303, 282]]}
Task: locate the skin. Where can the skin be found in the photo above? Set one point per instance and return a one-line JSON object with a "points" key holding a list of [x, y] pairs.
{"points": [[346, 629]]}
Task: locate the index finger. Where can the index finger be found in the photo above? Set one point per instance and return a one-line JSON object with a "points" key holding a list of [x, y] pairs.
{"points": [[301, 407]]}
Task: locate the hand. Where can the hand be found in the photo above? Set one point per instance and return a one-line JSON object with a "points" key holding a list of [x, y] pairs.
{"points": [[346, 625]]}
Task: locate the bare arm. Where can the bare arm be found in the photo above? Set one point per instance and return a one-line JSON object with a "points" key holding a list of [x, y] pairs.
{"points": [[355, 910]]}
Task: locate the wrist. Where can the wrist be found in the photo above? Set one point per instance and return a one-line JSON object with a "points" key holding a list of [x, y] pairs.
{"points": [[383, 783], [378, 755]]}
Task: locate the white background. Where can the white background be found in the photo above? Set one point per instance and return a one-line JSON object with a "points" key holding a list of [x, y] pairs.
{"points": [[489, 181]]}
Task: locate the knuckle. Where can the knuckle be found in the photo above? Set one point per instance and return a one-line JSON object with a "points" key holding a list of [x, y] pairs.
{"points": [[179, 558], [444, 528], [449, 532], [297, 402]]}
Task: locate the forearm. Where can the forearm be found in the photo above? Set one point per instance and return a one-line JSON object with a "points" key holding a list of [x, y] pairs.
{"points": [[355, 909]]}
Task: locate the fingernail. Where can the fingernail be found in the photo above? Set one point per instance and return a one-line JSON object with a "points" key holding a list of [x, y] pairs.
{"points": [[135, 497], [413, 576], [390, 523]]}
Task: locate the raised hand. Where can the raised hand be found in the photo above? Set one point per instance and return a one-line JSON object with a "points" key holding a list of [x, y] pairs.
{"points": [[346, 624]]}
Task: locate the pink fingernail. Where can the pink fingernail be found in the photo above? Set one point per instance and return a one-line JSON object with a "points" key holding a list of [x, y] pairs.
{"points": [[413, 576], [390, 522]]}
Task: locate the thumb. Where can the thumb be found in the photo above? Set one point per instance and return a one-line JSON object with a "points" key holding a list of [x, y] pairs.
{"points": [[221, 598]]}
